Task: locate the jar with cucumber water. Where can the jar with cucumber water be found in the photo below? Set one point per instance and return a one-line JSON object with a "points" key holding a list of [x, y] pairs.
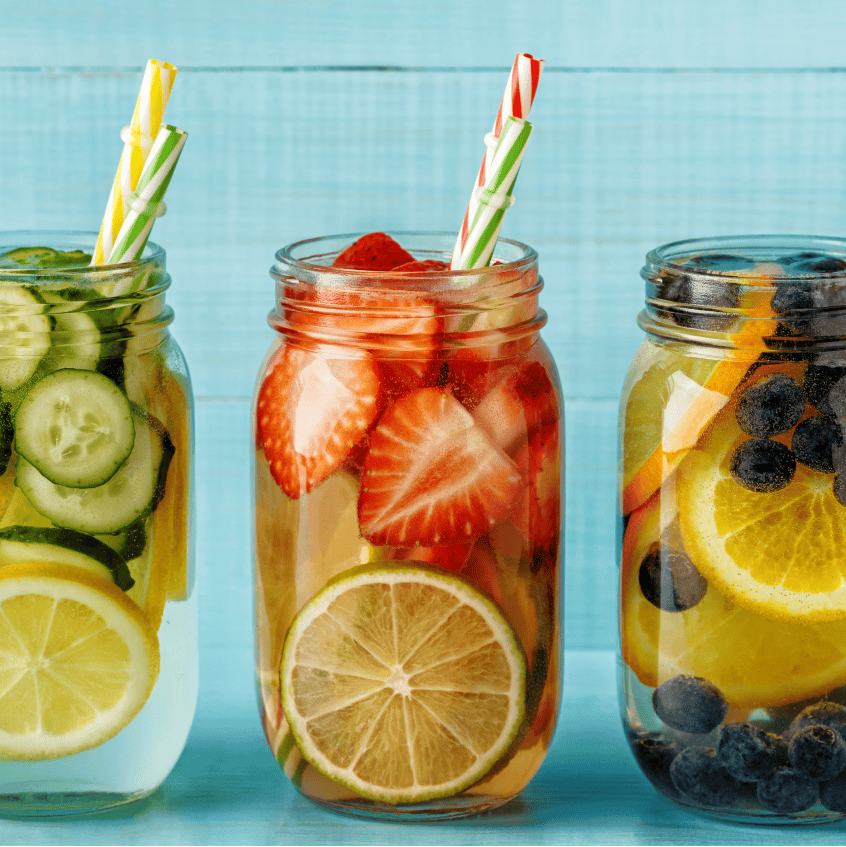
{"points": [[98, 616]]}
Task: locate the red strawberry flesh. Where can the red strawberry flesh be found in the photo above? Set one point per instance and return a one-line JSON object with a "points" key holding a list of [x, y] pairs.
{"points": [[431, 476], [375, 251], [311, 412]]}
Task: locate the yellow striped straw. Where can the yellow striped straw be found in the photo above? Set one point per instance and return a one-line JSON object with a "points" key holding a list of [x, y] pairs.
{"points": [[138, 139]]}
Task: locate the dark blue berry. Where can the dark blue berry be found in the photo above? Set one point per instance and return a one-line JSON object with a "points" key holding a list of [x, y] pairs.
{"points": [[689, 704], [825, 712], [792, 296], [721, 262], [655, 753], [818, 383], [747, 752], [833, 794], [771, 406], [703, 300], [670, 581], [786, 792], [816, 443], [697, 773], [840, 488], [818, 752], [812, 262], [837, 398], [762, 465]]}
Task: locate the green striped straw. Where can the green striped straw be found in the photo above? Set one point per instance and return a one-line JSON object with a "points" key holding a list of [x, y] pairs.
{"points": [[146, 202], [494, 197]]}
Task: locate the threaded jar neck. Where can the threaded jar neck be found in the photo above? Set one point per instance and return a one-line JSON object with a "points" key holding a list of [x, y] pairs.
{"points": [[385, 310], [755, 292]]}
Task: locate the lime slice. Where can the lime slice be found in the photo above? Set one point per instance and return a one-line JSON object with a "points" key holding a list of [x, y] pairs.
{"points": [[77, 661], [402, 683]]}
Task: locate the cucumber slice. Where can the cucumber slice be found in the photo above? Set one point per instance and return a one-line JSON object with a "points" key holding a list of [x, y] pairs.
{"points": [[75, 427], [64, 547], [80, 348], [21, 319], [133, 492]]}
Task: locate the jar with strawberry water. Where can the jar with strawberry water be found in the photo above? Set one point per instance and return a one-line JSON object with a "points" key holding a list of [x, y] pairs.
{"points": [[733, 532], [408, 438]]}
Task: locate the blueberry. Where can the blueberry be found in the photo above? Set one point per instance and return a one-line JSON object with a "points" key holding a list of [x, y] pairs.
{"points": [[818, 752], [721, 262], [785, 791], [818, 383], [747, 752], [689, 704], [812, 262], [655, 753], [792, 296], [762, 465], [837, 398], [771, 406], [670, 581], [697, 773], [816, 442], [705, 294], [840, 488], [833, 794], [829, 714]]}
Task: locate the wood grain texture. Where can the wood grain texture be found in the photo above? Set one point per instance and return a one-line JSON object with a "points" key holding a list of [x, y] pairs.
{"points": [[654, 121]]}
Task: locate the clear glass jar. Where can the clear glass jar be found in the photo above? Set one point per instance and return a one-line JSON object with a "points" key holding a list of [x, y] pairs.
{"points": [[98, 614], [733, 505], [408, 441]]}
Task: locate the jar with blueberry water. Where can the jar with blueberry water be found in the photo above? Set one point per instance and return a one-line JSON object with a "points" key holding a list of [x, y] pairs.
{"points": [[732, 531]]}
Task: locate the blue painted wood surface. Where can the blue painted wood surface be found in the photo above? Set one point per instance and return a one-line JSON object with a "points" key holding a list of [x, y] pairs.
{"points": [[654, 121]]}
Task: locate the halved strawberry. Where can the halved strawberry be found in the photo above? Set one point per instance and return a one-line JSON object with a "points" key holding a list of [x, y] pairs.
{"points": [[519, 405], [453, 557], [398, 327], [311, 412], [538, 513], [432, 477], [375, 251], [422, 266]]}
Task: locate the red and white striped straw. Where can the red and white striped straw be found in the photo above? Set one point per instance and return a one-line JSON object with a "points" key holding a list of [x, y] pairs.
{"points": [[516, 103]]}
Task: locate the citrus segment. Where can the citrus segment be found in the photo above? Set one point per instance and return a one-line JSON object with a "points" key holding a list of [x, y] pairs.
{"points": [[781, 553], [402, 683], [756, 662], [77, 661]]}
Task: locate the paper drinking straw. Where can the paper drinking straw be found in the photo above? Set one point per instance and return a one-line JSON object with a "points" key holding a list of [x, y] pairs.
{"points": [[516, 103], [138, 140], [494, 197], [146, 202]]}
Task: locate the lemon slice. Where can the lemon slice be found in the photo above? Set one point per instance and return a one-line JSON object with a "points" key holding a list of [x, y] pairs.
{"points": [[781, 554], [756, 662], [77, 661], [688, 390], [402, 683]]}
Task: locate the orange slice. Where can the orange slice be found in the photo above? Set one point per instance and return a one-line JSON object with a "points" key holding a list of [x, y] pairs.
{"points": [[756, 662]]}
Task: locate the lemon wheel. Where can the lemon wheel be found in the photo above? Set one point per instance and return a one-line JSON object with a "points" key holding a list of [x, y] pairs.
{"points": [[78, 661], [404, 684]]}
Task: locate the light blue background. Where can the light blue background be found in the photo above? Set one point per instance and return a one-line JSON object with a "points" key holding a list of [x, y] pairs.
{"points": [[654, 121]]}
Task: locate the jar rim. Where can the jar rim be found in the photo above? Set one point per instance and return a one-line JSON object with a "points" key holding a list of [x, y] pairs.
{"points": [[764, 247], [153, 253], [434, 243]]}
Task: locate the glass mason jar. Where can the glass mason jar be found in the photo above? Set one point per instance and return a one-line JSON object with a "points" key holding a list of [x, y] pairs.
{"points": [[98, 616], [408, 442], [733, 504]]}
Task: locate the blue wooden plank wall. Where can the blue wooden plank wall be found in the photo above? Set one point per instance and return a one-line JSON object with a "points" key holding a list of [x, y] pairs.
{"points": [[654, 121]]}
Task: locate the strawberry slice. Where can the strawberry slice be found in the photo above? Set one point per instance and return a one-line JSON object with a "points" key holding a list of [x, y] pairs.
{"points": [[452, 557], [519, 405], [422, 266], [432, 477], [311, 412], [538, 514], [375, 251]]}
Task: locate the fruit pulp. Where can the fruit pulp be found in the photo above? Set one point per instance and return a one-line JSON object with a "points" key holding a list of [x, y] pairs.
{"points": [[406, 450], [733, 571], [91, 330]]}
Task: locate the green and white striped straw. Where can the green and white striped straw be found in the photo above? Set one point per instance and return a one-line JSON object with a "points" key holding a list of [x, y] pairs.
{"points": [[494, 197], [146, 203]]}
